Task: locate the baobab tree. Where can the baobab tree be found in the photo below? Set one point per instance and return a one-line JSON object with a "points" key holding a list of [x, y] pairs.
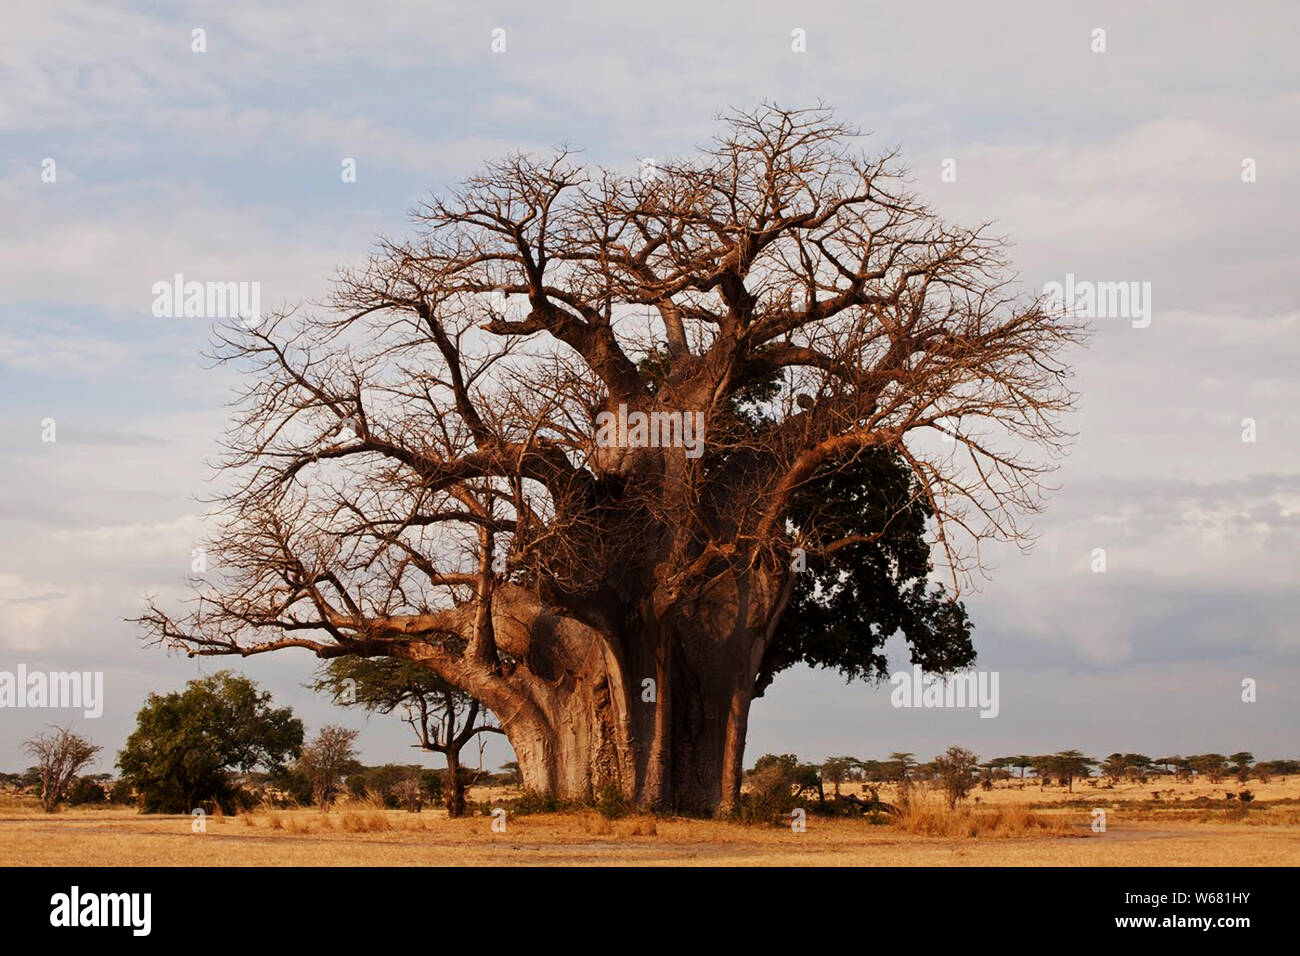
{"points": [[609, 451]]}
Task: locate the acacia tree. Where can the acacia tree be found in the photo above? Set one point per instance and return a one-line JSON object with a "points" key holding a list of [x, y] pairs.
{"points": [[1214, 766], [1021, 762], [954, 767], [1045, 766], [1115, 767], [902, 768], [60, 755], [835, 770], [1241, 762], [444, 719], [425, 468], [1069, 764]]}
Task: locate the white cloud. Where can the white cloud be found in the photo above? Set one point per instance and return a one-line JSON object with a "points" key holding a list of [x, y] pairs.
{"points": [[1116, 167]]}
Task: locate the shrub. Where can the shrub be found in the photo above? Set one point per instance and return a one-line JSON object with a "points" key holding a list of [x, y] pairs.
{"points": [[610, 802], [85, 790], [387, 784], [121, 793], [528, 802], [409, 794], [778, 784], [955, 766]]}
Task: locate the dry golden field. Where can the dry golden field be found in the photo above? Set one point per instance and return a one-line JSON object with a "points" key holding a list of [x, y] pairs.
{"points": [[1195, 825]]}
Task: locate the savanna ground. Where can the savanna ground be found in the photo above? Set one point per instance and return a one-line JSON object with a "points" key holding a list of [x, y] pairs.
{"points": [[1189, 824]]}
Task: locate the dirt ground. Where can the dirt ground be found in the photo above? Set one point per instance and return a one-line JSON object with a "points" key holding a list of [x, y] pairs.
{"points": [[1194, 825]]}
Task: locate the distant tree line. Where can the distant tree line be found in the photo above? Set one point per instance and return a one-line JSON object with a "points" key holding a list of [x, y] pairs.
{"points": [[776, 784], [220, 743]]}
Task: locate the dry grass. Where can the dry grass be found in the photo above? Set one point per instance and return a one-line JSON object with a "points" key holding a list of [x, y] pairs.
{"points": [[1006, 827], [931, 817], [373, 821]]}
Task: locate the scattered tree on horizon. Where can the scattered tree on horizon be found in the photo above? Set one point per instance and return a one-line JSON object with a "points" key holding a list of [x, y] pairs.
{"points": [[1021, 762], [1114, 767], [1070, 764], [1214, 766], [835, 770], [902, 767], [1241, 762]]}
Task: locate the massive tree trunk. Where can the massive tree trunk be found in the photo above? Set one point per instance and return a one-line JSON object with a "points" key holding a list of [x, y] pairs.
{"points": [[655, 712], [680, 750]]}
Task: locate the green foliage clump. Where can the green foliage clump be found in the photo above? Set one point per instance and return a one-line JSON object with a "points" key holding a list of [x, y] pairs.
{"points": [[86, 790], [188, 745], [776, 785]]}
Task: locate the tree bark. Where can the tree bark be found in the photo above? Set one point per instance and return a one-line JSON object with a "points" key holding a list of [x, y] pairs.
{"points": [[654, 714], [455, 799]]}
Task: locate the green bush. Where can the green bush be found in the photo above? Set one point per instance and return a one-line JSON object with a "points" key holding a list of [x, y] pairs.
{"points": [[121, 793], [528, 802], [771, 792], [84, 790], [188, 745], [611, 803]]}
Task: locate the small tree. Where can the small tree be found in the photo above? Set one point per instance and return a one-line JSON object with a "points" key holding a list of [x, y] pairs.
{"points": [[60, 755], [1241, 762], [836, 770], [86, 790], [902, 768], [777, 782], [992, 770], [1044, 767], [444, 719], [873, 771], [326, 760], [955, 766], [1021, 763], [808, 776], [1114, 767], [1071, 764], [1137, 766], [1266, 769], [1213, 766], [409, 793]]}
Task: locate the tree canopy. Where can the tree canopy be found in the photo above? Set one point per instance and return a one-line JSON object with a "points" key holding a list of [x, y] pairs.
{"points": [[817, 383], [187, 743]]}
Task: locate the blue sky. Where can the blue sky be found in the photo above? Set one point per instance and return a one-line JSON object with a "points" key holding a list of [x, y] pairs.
{"points": [[1115, 166]]}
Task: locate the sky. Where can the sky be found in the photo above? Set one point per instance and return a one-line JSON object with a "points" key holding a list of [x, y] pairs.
{"points": [[1126, 164]]}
